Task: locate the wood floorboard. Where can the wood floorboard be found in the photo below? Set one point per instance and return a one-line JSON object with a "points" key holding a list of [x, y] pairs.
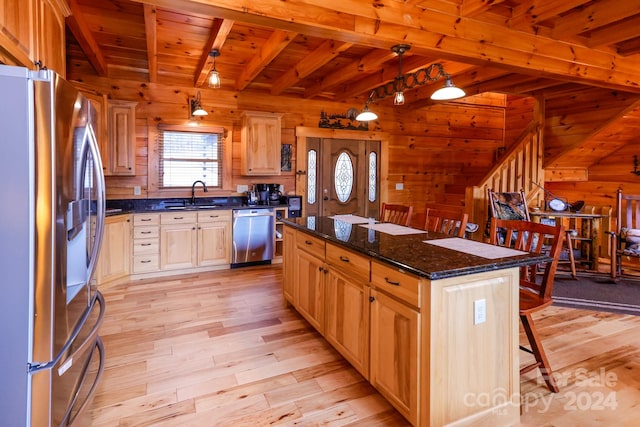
{"points": [[222, 349]]}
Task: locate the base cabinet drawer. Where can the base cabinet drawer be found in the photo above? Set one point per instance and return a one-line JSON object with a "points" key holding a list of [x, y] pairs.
{"points": [[146, 263]]}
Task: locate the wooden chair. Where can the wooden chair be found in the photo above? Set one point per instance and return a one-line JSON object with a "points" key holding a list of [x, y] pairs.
{"points": [[513, 206], [451, 223], [396, 214], [625, 240], [535, 289]]}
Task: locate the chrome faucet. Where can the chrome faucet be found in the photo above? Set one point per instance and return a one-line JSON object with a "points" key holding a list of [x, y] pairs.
{"points": [[193, 190]]}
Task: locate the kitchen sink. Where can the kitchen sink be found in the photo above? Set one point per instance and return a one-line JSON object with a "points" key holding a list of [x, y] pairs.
{"points": [[191, 207]]}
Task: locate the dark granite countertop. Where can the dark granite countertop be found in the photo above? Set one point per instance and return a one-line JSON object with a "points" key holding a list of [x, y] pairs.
{"points": [[127, 206], [408, 252]]}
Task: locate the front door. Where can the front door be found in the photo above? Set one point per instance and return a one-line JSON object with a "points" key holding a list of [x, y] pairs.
{"points": [[342, 177]]}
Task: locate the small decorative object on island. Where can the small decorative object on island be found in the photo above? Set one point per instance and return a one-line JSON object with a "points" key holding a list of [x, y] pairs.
{"points": [[333, 121]]}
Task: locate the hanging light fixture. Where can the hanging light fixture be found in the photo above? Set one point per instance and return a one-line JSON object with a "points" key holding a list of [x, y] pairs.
{"points": [[402, 82], [398, 83], [196, 107], [214, 77]]}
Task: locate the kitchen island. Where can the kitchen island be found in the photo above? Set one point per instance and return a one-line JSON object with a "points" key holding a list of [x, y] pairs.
{"points": [[433, 329]]}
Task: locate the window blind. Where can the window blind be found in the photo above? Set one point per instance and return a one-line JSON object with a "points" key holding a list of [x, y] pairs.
{"points": [[188, 156]]}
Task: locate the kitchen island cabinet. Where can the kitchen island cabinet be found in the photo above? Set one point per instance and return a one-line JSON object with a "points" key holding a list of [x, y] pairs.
{"points": [[430, 352]]}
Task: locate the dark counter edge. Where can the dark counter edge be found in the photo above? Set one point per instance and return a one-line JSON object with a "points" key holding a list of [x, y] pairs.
{"points": [[491, 265], [126, 206]]}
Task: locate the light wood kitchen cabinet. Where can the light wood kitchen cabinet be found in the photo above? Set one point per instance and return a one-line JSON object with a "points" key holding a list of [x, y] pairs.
{"points": [[121, 130], [394, 356], [99, 121], [214, 237], [289, 262], [18, 32], [195, 239], [347, 305], [115, 253], [260, 143], [310, 274], [178, 240], [146, 243], [34, 30], [51, 34]]}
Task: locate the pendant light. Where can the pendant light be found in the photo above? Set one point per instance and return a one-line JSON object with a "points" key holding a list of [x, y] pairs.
{"points": [[214, 77], [402, 82]]}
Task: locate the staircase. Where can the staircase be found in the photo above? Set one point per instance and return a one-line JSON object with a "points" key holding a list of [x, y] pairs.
{"points": [[520, 168]]}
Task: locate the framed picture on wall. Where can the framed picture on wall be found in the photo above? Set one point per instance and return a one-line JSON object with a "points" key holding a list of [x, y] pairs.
{"points": [[285, 158]]}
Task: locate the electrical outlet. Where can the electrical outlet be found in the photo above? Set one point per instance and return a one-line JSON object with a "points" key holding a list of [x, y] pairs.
{"points": [[137, 190], [479, 311], [399, 186], [242, 188]]}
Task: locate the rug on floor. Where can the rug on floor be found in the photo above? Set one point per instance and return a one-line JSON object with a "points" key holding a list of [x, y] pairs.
{"points": [[598, 292]]}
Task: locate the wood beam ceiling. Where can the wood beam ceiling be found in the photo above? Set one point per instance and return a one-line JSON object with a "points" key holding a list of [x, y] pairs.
{"points": [[80, 30]]}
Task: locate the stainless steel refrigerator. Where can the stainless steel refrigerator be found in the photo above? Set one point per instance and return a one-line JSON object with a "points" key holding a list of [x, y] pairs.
{"points": [[51, 222]]}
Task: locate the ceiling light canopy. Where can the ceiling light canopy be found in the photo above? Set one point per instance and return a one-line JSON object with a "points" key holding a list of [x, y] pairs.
{"points": [[214, 76], [402, 82], [196, 106]]}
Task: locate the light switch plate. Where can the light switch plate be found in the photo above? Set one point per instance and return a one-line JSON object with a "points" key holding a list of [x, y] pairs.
{"points": [[399, 186], [479, 311], [242, 188], [136, 190]]}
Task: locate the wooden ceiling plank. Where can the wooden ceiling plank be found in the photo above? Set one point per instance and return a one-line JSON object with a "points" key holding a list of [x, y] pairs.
{"points": [[80, 30], [371, 62], [220, 30], [630, 47], [267, 53], [625, 30], [471, 8], [315, 60], [596, 15], [535, 11], [150, 25], [431, 33]]}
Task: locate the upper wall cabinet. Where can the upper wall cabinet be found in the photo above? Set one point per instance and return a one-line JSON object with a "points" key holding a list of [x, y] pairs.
{"points": [[18, 32], [261, 148], [33, 30], [51, 34], [121, 129]]}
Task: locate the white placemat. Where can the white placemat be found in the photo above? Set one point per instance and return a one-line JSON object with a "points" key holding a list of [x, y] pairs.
{"points": [[473, 247], [394, 229], [352, 219]]}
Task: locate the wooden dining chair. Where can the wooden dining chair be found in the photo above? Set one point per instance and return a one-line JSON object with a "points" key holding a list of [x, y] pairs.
{"points": [[513, 205], [535, 289], [396, 214], [625, 238], [447, 222]]}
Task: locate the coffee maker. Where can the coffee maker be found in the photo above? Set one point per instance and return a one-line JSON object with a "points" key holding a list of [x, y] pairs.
{"points": [[274, 194], [262, 192]]}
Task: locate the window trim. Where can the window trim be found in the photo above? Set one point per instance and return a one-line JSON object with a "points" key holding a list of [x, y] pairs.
{"points": [[153, 170]]}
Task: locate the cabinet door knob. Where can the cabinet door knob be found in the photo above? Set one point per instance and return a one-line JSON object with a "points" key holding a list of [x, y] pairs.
{"points": [[319, 268], [371, 299]]}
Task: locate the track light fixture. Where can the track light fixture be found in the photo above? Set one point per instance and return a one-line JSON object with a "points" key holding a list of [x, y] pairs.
{"points": [[196, 106], [408, 81], [214, 77]]}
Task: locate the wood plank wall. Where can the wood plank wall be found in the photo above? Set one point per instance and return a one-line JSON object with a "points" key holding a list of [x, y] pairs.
{"points": [[434, 152]]}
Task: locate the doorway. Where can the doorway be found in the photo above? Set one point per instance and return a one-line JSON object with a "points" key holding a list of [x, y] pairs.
{"points": [[342, 177]]}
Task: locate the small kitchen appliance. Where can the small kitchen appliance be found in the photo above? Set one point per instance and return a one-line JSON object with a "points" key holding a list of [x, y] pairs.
{"points": [[262, 191], [274, 194], [294, 203]]}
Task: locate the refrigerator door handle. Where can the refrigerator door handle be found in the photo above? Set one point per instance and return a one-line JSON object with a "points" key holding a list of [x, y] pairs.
{"points": [[101, 203], [66, 421], [35, 367]]}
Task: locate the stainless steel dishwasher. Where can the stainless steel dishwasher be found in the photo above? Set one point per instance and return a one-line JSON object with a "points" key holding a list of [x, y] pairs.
{"points": [[252, 233]]}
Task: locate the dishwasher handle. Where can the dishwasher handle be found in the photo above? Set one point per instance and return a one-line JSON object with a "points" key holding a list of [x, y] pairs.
{"points": [[253, 212]]}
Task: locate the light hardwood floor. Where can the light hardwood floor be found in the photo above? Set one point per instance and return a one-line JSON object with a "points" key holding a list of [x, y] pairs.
{"points": [[221, 349]]}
